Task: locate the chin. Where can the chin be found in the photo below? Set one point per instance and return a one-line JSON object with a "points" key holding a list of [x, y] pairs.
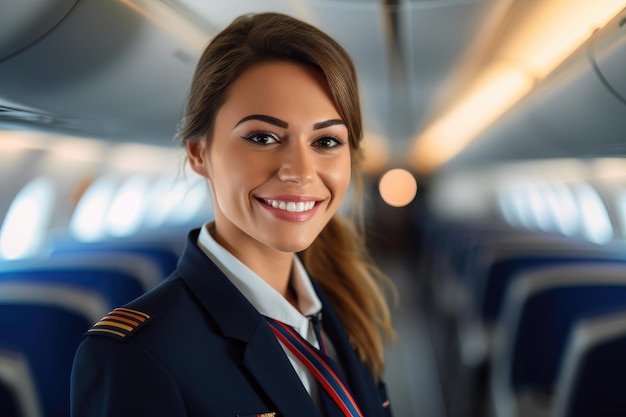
{"points": [[292, 246]]}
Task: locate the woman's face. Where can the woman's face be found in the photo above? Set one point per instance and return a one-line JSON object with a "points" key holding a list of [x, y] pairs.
{"points": [[278, 162]]}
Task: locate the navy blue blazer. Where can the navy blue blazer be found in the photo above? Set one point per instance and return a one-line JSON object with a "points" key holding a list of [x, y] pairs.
{"points": [[203, 351]]}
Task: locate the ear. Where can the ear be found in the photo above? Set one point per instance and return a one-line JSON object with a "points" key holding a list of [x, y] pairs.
{"points": [[198, 157]]}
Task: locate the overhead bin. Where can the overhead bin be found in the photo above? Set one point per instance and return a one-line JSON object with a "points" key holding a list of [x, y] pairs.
{"points": [[609, 55], [25, 22], [109, 69], [561, 116]]}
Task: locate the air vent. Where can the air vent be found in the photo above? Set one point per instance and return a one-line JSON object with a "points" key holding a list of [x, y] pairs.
{"points": [[11, 114], [29, 119], [126, 84]]}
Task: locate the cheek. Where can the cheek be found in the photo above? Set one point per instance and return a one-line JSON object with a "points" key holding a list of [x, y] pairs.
{"points": [[235, 174], [338, 178]]}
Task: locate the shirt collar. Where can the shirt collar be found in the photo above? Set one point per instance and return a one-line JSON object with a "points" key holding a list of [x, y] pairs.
{"points": [[259, 293]]}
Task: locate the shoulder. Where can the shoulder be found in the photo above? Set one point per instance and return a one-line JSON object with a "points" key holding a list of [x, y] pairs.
{"points": [[120, 324], [125, 322]]}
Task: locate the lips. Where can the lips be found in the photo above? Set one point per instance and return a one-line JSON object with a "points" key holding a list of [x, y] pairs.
{"points": [[291, 206]]}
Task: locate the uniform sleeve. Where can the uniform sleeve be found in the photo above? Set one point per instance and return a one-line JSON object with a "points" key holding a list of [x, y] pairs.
{"points": [[119, 379]]}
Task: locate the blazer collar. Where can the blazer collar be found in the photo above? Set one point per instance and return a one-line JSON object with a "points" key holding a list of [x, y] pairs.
{"points": [[238, 319], [227, 306]]}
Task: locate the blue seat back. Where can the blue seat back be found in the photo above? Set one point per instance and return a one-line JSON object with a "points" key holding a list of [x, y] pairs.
{"points": [[594, 376], [8, 402], [503, 272], [46, 323], [600, 385], [117, 288], [545, 324], [162, 255], [18, 397]]}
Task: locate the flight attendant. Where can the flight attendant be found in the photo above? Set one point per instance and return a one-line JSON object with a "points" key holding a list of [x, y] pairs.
{"points": [[274, 309]]}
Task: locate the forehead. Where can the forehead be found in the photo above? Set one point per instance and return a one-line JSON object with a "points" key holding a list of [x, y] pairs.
{"points": [[281, 89]]}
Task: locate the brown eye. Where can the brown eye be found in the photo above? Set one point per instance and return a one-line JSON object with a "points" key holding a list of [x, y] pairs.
{"points": [[328, 142], [262, 139]]}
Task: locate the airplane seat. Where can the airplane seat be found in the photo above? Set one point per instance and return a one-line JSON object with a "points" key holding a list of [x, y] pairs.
{"points": [[494, 262], [500, 259], [478, 258], [443, 271], [504, 272], [8, 402], [460, 247], [147, 271], [162, 254], [46, 323], [454, 248], [18, 397], [540, 310], [115, 287], [593, 376]]}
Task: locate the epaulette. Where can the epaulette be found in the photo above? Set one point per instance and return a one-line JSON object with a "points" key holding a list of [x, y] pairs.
{"points": [[120, 323]]}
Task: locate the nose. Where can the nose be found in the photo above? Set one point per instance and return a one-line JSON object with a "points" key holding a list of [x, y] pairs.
{"points": [[297, 164]]}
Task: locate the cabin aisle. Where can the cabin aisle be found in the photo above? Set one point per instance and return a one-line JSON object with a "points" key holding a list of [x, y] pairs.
{"points": [[412, 380]]}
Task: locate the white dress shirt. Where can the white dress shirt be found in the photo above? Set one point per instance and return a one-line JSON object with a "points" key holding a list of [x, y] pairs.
{"points": [[270, 302]]}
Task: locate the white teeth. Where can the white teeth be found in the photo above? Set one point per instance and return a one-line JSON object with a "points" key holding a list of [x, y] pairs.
{"points": [[291, 206]]}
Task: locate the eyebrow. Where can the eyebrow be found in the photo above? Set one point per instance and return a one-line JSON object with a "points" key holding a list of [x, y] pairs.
{"points": [[281, 123], [265, 118], [327, 123]]}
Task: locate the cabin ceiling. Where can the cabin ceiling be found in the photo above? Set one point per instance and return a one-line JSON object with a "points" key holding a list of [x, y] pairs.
{"points": [[120, 70], [93, 70], [411, 56]]}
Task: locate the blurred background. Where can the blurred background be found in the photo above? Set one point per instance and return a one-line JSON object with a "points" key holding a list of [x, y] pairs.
{"points": [[495, 184]]}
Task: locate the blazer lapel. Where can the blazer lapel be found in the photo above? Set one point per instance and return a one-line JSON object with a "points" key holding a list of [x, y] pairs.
{"points": [[359, 378], [267, 362], [264, 357]]}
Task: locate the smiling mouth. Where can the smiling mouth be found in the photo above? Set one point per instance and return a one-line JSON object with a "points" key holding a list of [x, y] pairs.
{"points": [[291, 206]]}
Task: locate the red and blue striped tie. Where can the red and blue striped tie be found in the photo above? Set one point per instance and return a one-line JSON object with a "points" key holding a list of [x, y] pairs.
{"points": [[321, 367]]}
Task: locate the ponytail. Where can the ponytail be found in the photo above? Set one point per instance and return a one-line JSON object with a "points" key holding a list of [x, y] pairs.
{"points": [[338, 262]]}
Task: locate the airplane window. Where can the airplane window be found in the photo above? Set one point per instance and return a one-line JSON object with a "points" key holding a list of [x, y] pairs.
{"points": [[515, 206], [508, 208], [194, 202], [109, 208], [126, 211], [510, 205], [596, 223], [621, 210], [26, 220], [538, 199], [88, 220], [548, 206], [165, 195], [567, 216]]}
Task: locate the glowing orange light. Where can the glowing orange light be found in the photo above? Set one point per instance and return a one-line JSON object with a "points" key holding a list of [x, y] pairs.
{"points": [[397, 187]]}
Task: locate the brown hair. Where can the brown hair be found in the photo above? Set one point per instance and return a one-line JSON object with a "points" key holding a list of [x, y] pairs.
{"points": [[337, 259]]}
